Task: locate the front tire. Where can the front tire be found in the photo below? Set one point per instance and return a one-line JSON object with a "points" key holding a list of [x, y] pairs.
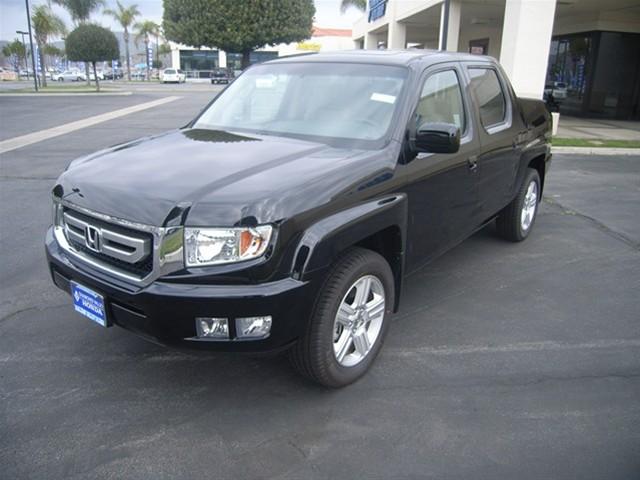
{"points": [[516, 220], [350, 320]]}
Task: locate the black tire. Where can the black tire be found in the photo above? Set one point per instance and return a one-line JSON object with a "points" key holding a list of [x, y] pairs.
{"points": [[313, 355], [508, 223]]}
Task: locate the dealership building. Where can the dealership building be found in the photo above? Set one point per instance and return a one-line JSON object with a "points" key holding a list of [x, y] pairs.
{"points": [[591, 48], [199, 62]]}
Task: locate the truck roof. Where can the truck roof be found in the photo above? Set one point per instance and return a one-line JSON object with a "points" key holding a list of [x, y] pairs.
{"points": [[384, 57]]}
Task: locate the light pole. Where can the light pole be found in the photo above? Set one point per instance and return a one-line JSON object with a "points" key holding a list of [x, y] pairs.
{"points": [[33, 54], [24, 45]]}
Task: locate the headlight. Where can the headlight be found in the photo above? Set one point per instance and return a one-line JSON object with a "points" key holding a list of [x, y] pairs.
{"points": [[213, 246]]}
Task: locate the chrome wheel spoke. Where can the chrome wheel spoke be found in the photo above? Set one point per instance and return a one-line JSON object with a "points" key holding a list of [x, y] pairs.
{"points": [[345, 315], [363, 288], [361, 343], [375, 307], [341, 348]]}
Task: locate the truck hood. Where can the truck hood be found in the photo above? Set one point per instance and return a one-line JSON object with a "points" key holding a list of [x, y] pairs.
{"points": [[221, 178]]}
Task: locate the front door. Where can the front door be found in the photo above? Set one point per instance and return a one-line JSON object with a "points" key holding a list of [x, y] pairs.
{"points": [[442, 188]]}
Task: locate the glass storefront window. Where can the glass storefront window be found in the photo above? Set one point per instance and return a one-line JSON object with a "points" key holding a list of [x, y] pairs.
{"points": [[234, 60], [595, 73], [193, 60]]}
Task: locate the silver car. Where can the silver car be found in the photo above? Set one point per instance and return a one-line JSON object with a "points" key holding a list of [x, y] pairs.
{"points": [[69, 76]]}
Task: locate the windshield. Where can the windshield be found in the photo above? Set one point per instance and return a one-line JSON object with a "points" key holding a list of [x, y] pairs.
{"points": [[319, 101], [170, 72]]}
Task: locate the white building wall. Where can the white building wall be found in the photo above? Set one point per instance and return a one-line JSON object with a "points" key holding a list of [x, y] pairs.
{"points": [[524, 51]]}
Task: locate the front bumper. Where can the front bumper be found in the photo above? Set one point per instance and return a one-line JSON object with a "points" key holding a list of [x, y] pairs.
{"points": [[164, 312]]}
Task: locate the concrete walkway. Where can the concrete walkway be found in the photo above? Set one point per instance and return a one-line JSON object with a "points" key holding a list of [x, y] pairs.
{"points": [[600, 129]]}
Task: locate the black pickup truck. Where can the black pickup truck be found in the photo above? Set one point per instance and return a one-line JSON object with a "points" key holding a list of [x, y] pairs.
{"points": [[286, 215]]}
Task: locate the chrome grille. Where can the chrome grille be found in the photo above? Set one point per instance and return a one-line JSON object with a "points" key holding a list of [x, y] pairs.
{"points": [[111, 241], [133, 252]]}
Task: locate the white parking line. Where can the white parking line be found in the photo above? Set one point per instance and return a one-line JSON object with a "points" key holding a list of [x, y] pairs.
{"points": [[547, 346], [61, 355], [30, 138]]}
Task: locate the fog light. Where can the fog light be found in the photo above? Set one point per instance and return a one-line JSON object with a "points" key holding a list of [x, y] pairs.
{"points": [[253, 327], [212, 327]]}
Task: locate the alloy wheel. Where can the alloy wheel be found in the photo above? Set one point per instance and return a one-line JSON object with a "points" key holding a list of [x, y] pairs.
{"points": [[529, 206], [358, 322]]}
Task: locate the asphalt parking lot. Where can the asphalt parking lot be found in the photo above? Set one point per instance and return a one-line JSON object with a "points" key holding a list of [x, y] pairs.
{"points": [[505, 361]]}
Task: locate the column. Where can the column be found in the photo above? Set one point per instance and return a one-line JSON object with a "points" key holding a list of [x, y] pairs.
{"points": [[222, 59], [397, 36], [175, 57], [453, 30], [526, 36], [370, 41]]}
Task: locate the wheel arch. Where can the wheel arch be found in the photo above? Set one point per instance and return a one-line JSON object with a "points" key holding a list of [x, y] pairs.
{"points": [[378, 225], [539, 164]]}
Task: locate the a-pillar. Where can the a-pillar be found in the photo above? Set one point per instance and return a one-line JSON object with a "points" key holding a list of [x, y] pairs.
{"points": [[526, 37]]}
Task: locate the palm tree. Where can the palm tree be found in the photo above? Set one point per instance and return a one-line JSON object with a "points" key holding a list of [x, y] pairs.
{"points": [[359, 4], [45, 24], [80, 11], [125, 17], [146, 28]]}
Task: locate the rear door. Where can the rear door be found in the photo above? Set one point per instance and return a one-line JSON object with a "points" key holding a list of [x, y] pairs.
{"points": [[499, 158], [442, 188]]}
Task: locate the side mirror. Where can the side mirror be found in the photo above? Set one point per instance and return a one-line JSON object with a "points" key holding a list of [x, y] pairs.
{"points": [[437, 138]]}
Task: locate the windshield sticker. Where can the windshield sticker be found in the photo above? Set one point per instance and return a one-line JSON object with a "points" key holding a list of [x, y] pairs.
{"points": [[382, 97], [265, 82]]}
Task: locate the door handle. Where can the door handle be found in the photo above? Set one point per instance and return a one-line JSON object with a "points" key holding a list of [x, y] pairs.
{"points": [[472, 163]]}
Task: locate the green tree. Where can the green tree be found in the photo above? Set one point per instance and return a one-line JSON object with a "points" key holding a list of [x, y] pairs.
{"points": [[125, 16], [53, 51], [15, 52], [45, 24], [235, 25], [80, 11], [359, 4], [92, 43], [146, 29]]}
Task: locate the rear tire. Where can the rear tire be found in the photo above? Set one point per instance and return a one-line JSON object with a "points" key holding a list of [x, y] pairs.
{"points": [[516, 221], [350, 320]]}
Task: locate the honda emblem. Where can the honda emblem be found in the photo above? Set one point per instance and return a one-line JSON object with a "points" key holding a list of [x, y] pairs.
{"points": [[93, 238]]}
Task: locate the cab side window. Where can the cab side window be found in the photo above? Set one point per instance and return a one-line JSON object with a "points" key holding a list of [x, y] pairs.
{"points": [[441, 100], [489, 94]]}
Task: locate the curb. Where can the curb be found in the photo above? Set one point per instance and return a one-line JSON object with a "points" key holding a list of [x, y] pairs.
{"points": [[595, 151], [70, 94]]}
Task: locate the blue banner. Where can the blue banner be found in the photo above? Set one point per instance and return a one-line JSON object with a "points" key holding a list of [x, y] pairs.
{"points": [[377, 9]]}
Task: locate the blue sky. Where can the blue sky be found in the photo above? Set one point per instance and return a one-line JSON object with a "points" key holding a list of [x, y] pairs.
{"points": [[13, 16]]}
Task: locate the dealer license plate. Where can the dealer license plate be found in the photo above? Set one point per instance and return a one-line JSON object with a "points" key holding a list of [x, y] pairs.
{"points": [[89, 303]]}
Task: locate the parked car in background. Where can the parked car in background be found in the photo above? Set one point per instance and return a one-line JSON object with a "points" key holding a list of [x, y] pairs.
{"points": [[111, 74], [221, 76], [69, 76], [93, 77], [286, 214], [558, 90], [172, 75], [6, 74], [26, 73], [139, 75]]}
